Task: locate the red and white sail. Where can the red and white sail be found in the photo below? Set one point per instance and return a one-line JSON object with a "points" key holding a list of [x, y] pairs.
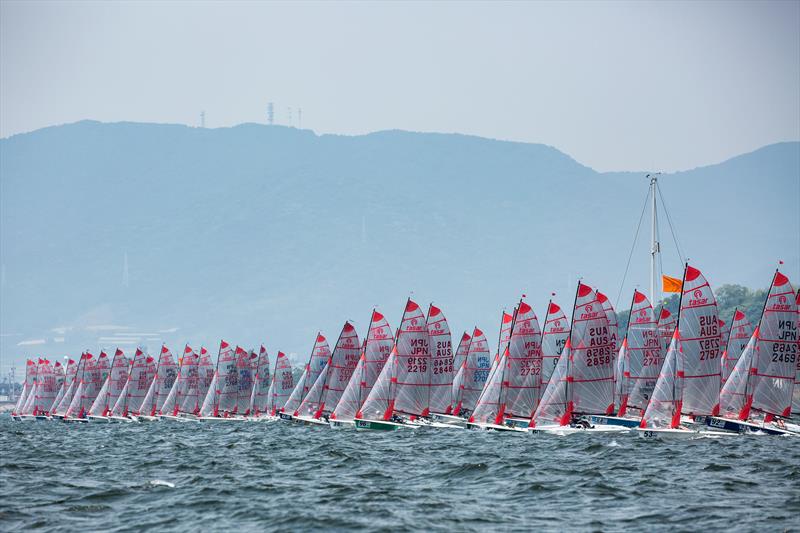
{"points": [[461, 353], [45, 388], [613, 326], [281, 385], [205, 375], [664, 408], [377, 348], [552, 408], [441, 350], [64, 380], [554, 337], [403, 383], [735, 397], [666, 326], [316, 364], [81, 399], [642, 358], [113, 385], [513, 390], [459, 369], [474, 375], [740, 333], [261, 383], [166, 374], [224, 388], [143, 371], [698, 324], [27, 387], [327, 390], [777, 351], [73, 378], [187, 387], [245, 363]]}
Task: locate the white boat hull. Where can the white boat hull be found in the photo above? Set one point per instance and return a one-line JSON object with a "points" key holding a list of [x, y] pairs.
{"points": [[570, 430], [667, 433], [98, 419], [343, 424], [449, 419], [216, 419]]}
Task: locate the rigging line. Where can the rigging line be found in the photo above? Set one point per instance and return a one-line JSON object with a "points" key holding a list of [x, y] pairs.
{"points": [[633, 247], [671, 229]]}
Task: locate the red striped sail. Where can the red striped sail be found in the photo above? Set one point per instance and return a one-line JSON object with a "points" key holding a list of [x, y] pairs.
{"points": [[554, 337], [262, 381], [205, 374], [441, 350], [698, 324], [643, 355], [735, 399], [45, 388], [187, 388], [664, 408], [142, 375], [244, 368], [281, 385], [777, 351], [67, 380], [476, 370], [459, 368], [27, 387], [166, 373], [740, 333], [327, 390], [377, 348]]}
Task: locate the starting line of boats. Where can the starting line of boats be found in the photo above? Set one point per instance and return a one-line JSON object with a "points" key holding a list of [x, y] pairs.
{"points": [[670, 376]]}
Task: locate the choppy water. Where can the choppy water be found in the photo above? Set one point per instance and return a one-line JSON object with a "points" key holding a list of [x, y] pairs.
{"points": [[280, 476]]}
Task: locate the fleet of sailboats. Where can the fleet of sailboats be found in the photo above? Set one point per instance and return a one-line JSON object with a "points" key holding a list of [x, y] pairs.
{"points": [[674, 373]]}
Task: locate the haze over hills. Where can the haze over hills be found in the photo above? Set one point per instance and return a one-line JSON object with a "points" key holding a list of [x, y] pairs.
{"points": [[267, 233]]}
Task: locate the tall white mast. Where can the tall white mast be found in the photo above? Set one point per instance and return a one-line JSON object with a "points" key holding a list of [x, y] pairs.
{"points": [[654, 245]]}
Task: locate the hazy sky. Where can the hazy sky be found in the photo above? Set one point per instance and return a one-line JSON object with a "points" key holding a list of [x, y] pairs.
{"points": [[618, 86]]}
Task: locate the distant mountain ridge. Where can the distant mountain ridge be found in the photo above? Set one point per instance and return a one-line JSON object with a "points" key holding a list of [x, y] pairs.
{"points": [[268, 233]]}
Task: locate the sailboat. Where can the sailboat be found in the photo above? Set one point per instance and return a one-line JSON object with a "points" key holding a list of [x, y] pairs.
{"points": [[86, 390], [67, 379], [44, 390], [459, 369], [554, 338], [326, 391], [760, 387], [320, 353], [377, 347], [638, 364], [281, 386], [471, 378], [512, 391], [223, 392], [112, 388], [401, 391], [582, 383], [689, 382], [442, 359], [165, 375], [261, 385], [183, 394], [739, 335], [245, 365], [27, 388], [129, 405]]}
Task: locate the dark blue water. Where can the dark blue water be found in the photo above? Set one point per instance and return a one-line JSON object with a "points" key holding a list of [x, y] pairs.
{"points": [[280, 476]]}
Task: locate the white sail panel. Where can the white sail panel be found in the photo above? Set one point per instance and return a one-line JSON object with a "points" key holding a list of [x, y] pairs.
{"points": [[734, 399], [46, 388], [166, 374], [698, 324], [205, 374], [461, 353], [27, 387], [143, 373], [475, 374], [666, 326], [187, 390], [552, 408]]}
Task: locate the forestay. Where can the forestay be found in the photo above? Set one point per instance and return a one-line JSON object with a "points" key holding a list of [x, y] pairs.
{"points": [[698, 325]]}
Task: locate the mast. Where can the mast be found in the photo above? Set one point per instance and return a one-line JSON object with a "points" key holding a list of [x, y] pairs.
{"points": [[655, 248]]}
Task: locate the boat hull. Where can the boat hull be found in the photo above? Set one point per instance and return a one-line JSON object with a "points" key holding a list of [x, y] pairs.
{"points": [[286, 417], [381, 425], [738, 426], [218, 419], [666, 433], [310, 421], [494, 427], [121, 419], [570, 430], [97, 419], [343, 424], [630, 423], [449, 419]]}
